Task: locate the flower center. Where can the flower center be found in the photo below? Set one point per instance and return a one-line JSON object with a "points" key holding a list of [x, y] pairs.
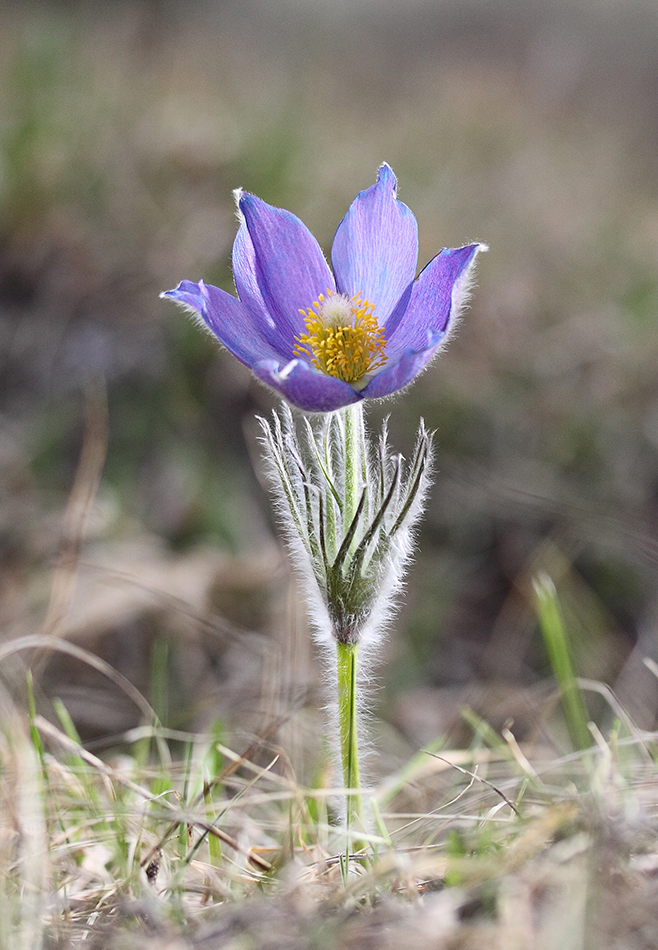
{"points": [[343, 338]]}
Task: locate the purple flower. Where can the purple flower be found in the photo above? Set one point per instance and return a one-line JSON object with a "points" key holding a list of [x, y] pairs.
{"points": [[325, 340]]}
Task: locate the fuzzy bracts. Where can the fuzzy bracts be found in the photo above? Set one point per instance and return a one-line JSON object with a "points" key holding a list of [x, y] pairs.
{"points": [[349, 508]]}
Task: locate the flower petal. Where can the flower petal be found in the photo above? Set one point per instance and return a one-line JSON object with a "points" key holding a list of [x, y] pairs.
{"points": [[288, 265], [375, 250], [227, 318], [246, 284], [305, 387], [399, 374], [436, 298]]}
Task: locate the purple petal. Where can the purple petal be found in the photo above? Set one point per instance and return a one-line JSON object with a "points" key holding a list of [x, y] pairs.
{"points": [[246, 284], [287, 263], [436, 297], [227, 318], [375, 250], [305, 387], [398, 375]]}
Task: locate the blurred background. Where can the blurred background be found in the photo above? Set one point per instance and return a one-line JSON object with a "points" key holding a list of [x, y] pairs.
{"points": [[133, 517]]}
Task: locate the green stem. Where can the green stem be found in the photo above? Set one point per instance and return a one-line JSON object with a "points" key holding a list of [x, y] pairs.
{"points": [[354, 435], [347, 726]]}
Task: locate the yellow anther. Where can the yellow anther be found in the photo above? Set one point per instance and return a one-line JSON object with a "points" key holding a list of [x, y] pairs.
{"points": [[343, 338]]}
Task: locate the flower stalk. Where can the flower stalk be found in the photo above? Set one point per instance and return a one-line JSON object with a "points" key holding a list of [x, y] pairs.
{"points": [[353, 421], [346, 666], [348, 506]]}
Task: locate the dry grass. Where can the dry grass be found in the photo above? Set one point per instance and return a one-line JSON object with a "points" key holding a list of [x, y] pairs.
{"points": [[213, 848]]}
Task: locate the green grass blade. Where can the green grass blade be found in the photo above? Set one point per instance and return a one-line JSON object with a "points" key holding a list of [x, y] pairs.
{"points": [[557, 645]]}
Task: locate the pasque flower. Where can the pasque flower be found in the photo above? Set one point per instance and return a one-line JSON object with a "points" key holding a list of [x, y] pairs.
{"points": [[326, 338]]}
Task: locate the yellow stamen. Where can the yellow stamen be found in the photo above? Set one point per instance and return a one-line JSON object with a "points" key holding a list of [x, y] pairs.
{"points": [[343, 338]]}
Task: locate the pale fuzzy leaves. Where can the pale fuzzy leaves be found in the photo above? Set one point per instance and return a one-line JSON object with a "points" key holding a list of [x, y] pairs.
{"points": [[352, 565]]}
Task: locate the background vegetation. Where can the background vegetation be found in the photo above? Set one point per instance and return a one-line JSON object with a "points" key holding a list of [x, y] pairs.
{"points": [[133, 523]]}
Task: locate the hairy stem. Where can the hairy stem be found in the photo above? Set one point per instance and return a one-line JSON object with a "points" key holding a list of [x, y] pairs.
{"points": [[346, 659], [354, 437]]}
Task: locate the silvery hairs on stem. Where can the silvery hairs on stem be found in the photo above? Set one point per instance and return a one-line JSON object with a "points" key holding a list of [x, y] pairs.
{"points": [[348, 507]]}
